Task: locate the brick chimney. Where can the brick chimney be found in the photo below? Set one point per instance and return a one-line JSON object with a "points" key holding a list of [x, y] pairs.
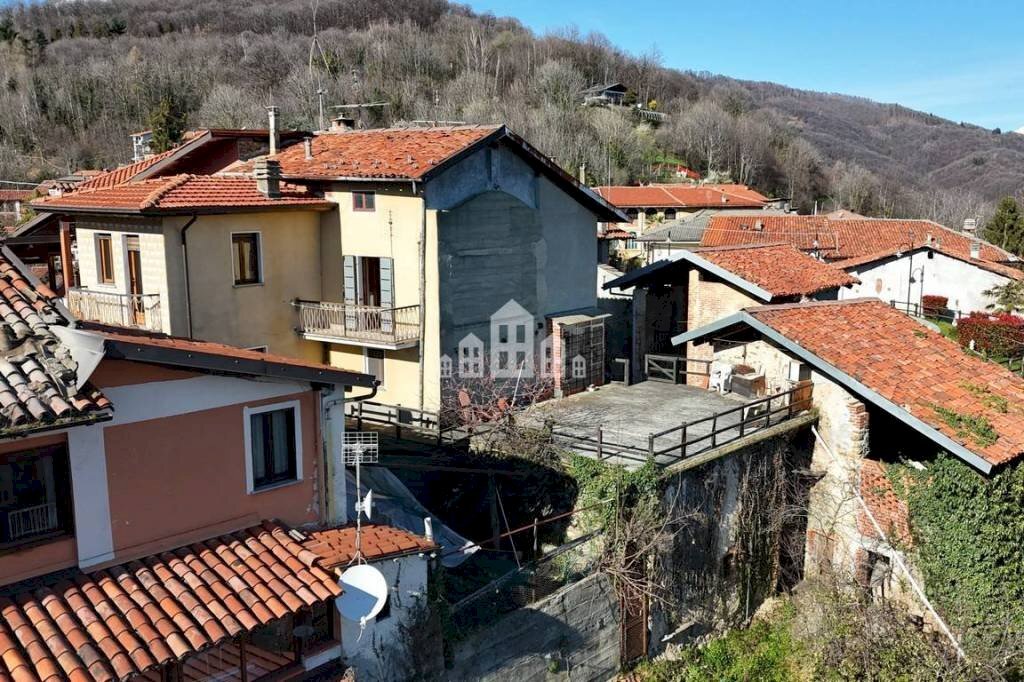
{"points": [[272, 129], [268, 177]]}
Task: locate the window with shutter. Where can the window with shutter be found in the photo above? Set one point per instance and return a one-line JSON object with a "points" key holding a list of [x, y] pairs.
{"points": [[245, 247]]}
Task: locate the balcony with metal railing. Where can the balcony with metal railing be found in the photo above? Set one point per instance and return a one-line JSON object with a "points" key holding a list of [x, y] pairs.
{"points": [[360, 325], [138, 311]]}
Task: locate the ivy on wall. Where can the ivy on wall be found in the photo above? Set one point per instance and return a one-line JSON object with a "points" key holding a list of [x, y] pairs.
{"points": [[968, 533]]}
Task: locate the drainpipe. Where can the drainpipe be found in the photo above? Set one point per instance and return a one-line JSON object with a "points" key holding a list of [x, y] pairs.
{"points": [[423, 288], [333, 420], [184, 260]]}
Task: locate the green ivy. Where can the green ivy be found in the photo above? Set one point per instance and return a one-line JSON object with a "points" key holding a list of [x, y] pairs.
{"points": [[968, 534], [977, 428], [623, 488]]}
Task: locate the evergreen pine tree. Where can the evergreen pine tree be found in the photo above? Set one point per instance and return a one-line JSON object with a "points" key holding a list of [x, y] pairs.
{"points": [[1006, 227]]}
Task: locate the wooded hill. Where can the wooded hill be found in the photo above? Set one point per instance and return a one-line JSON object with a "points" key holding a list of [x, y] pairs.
{"points": [[77, 77]]}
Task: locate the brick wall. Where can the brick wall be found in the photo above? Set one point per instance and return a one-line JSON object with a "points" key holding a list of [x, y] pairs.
{"points": [[709, 301]]}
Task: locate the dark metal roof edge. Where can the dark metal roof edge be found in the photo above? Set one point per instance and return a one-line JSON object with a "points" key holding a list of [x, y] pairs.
{"points": [[699, 263], [196, 359]]}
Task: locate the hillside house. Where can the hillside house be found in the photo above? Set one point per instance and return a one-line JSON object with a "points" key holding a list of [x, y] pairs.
{"points": [[895, 260], [886, 387], [174, 496], [412, 238], [12, 204], [695, 288], [685, 232]]}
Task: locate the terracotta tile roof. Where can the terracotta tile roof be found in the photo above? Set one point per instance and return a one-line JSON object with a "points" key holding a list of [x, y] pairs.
{"points": [[181, 194], [337, 546], [682, 196], [37, 373], [138, 340], [125, 173], [116, 623], [394, 153], [889, 511], [15, 194], [918, 370], [991, 266], [842, 239], [780, 269], [616, 233]]}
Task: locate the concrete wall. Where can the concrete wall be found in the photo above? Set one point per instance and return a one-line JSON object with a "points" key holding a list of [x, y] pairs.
{"points": [[963, 283], [378, 652], [253, 314], [575, 630]]}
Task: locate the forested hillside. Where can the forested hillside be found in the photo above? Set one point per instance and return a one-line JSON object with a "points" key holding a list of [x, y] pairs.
{"points": [[78, 77]]}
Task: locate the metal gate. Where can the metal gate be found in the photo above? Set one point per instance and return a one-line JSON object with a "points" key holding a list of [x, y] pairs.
{"points": [[633, 634], [583, 355]]}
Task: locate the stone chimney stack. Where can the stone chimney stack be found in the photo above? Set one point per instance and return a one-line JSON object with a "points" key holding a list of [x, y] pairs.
{"points": [[583, 173], [268, 177], [970, 225], [307, 144], [272, 129], [975, 250]]}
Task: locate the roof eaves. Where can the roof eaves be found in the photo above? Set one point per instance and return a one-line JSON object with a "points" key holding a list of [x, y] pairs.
{"points": [[842, 378], [197, 359], [700, 263]]}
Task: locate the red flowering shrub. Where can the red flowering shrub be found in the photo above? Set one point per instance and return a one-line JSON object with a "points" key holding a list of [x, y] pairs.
{"points": [[1000, 335], [933, 305]]}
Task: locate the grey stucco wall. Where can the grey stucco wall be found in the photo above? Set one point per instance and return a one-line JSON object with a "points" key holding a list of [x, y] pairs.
{"points": [[578, 627], [506, 232]]}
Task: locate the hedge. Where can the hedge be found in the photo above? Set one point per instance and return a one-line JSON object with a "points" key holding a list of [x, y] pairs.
{"points": [[934, 305], [999, 335]]}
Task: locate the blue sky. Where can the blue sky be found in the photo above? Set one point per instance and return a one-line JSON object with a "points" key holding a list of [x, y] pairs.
{"points": [[960, 60]]}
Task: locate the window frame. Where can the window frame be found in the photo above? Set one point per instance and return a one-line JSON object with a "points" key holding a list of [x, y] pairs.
{"points": [[259, 281], [363, 195], [247, 413], [100, 238]]}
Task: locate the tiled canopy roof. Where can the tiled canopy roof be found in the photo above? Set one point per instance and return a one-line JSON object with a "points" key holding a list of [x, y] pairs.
{"points": [[116, 623], [181, 194], [37, 373], [337, 546], [918, 370], [125, 173], [780, 269], [392, 153], [880, 498], [682, 196], [841, 239], [15, 194]]}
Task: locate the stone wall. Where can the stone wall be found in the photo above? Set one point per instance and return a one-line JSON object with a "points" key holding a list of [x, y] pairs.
{"points": [[710, 301], [574, 631]]}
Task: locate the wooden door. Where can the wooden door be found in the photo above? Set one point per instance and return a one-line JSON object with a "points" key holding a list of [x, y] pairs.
{"points": [[137, 310], [633, 635]]}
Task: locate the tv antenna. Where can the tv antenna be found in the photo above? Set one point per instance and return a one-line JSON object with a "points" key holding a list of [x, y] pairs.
{"points": [[358, 448]]}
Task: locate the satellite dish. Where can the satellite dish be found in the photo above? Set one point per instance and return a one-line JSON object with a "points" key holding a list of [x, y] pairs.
{"points": [[365, 593]]}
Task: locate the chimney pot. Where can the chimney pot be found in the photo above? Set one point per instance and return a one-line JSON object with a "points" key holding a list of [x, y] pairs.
{"points": [[970, 224], [308, 145], [272, 129], [268, 177], [976, 250], [343, 123]]}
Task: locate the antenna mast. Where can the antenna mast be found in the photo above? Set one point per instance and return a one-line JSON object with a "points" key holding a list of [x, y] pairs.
{"points": [[358, 448]]}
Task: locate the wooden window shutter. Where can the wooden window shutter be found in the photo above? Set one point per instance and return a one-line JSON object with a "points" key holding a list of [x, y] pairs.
{"points": [[387, 293]]}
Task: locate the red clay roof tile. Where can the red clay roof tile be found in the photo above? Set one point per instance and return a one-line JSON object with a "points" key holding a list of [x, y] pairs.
{"points": [[182, 193], [780, 269], [889, 511], [915, 368], [118, 623], [337, 546], [682, 196], [841, 239], [392, 153]]}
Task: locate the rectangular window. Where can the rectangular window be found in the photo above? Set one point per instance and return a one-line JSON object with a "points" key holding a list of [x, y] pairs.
{"points": [[105, 259], [502, 333], [364, 201], [520, 333], [35, 495], [375, 363], [273, 447], [245, 247]]}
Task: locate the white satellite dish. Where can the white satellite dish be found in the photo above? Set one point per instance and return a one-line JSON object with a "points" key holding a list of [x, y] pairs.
{"points": [[365, 593]]}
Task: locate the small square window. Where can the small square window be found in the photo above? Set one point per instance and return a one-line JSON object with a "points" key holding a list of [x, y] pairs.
{"points": [[273, 447], [364, 201], [245, 248]]}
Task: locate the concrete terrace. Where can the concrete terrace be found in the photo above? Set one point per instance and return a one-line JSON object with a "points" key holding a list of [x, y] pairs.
{"points": [[628, 415]]}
